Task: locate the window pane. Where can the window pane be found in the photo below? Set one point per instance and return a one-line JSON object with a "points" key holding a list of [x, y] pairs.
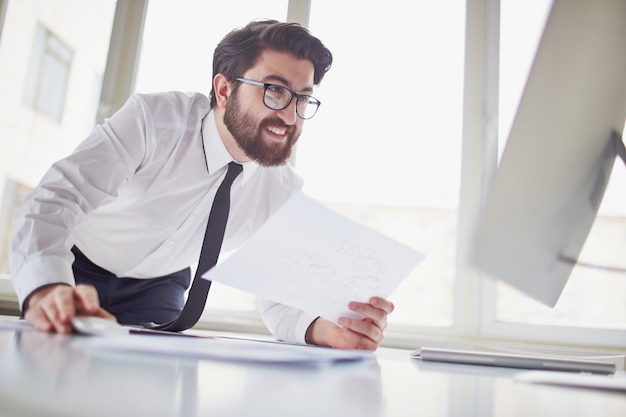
{"points": [[592, 297], [180, 58], [52, 87], [32, 63], [48, 72], [385, 146]]}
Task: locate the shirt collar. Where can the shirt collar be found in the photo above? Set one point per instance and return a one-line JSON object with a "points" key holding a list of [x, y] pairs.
{"points": [[216, 154]]}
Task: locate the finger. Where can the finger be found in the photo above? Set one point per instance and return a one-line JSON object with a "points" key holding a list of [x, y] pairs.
{"points": [[383, 304], [63, 307], [50, 309], [59, 308], [88, 302], [36, 318], [100, 312], [363, 328], [326, 333], [355, 339], [375, 314], [87, 299]]}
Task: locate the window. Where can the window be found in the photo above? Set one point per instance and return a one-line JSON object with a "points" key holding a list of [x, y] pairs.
{"points": [[592, 301], [41, 41], [389, 147], [389, 135], [181, 60], [423, 111], [12, 197], [48, 73]]}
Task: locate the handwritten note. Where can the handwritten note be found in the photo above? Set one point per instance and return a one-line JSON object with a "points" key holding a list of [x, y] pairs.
{"points": [[310, 257]]}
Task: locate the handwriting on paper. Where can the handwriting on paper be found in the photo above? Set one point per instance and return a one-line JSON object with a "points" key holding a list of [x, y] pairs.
{"points": [[317, 266]]}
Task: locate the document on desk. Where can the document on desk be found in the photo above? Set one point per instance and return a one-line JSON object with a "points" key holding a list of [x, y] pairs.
{"points": [[15, 323], [310, 257], [229, 349]]}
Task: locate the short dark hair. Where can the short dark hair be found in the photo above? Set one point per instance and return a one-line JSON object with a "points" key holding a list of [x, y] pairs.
{"points": [[240, 49]]}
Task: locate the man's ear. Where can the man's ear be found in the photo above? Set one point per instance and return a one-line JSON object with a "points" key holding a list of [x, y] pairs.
{"points": [[221, 86]]}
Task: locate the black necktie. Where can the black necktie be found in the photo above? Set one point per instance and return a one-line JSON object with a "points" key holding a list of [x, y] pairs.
{"points": [[196, 298]]}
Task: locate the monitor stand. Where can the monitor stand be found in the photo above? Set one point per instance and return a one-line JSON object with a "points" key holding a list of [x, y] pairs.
{"points": [[620, 151], [618, 145]]}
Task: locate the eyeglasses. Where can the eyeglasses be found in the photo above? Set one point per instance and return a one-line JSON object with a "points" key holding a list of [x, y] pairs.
{"points": [[277, 97]]}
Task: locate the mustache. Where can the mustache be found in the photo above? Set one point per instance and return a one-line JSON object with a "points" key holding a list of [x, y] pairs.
{"points": [[278, 122]]}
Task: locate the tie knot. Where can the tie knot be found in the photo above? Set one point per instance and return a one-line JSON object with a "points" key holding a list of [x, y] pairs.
{"points": [[234, 169]]}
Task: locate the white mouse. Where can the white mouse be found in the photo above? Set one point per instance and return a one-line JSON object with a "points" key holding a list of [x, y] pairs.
{"points": [[97, 326]]}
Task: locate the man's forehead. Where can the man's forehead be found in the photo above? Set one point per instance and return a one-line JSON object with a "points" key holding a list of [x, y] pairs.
{"points": [[285, 68]]}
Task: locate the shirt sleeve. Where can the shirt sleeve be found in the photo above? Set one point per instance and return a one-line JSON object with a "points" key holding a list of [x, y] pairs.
{"points": [[70, 189], [286, 323]]}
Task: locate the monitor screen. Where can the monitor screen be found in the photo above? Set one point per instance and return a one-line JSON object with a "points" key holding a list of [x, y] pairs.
{"points": [[560, 152]]}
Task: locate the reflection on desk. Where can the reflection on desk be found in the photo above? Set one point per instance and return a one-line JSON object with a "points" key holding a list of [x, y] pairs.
{"points": [[47, 374]]}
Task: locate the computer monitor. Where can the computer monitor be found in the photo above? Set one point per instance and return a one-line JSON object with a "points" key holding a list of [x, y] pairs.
{"points": [[560, 152]]}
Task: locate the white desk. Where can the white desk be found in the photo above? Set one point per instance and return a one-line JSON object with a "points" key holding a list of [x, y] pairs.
{"points": [[53, 375]]}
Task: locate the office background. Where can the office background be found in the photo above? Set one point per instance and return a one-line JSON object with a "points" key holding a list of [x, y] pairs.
{"points": [[422, 90]]}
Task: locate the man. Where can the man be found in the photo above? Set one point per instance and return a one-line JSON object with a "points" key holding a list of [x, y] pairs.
{"points": [[112, 229]]}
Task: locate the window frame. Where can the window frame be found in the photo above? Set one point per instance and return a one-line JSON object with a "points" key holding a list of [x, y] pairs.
{"points": [[487, 324], [48, 52], [474, 298], [474, 314]]}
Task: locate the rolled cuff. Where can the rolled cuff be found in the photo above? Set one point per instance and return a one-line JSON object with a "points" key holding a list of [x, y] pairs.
{"points": [[302, 325], [39, 272], [286, 323]]}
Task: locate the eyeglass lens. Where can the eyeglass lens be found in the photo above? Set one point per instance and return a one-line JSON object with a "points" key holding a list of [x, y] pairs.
{"points": [[277, 98]]}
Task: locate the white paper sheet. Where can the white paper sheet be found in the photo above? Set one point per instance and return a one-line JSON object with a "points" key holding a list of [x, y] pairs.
{"points": [[312, 258], [15, 323], [229, 349]]}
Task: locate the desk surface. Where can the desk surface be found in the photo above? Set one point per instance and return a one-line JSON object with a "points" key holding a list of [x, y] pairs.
{"points": [[53, 375]]}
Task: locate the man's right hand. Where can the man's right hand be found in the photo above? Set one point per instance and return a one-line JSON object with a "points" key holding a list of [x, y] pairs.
{"points": [[51, 309]]}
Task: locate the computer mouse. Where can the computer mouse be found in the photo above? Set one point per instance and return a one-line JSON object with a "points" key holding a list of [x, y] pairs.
{"points": [[97, 326]]}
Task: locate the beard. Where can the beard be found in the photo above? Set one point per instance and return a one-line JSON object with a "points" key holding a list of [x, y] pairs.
{"points": [[248, 135]]}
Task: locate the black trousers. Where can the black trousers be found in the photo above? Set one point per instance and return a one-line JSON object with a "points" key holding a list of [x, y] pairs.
{"points": [[134, 301]]}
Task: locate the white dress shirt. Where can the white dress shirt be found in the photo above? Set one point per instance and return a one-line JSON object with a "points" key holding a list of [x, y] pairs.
{"points": [[135, 198]]}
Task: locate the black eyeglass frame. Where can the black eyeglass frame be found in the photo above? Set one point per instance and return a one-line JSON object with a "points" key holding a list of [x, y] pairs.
{"points": [[309, 100]]}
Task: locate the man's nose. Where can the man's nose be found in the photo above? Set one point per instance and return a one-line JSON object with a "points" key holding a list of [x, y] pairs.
{"points": [[288, 114]]}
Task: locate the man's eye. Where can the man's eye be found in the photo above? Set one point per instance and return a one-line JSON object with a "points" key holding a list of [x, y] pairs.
{"points": [[276, 89]]}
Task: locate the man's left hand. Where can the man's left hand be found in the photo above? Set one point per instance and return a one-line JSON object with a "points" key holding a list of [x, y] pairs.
{"points": [[365, 334]]}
